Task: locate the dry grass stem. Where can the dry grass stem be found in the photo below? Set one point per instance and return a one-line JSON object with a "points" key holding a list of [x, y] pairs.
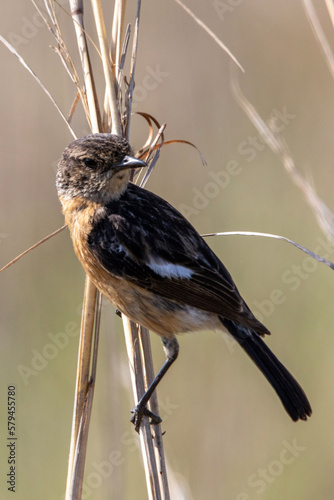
{"points": [[210, 33], [43, 240], [275, 141], [330, 8], [154, 407], [131, 87], [124, 52], [156, 485], [88, 348], [27, 67], [109, 76], [93, 116], [276, 237], [84, 393], [117, 34], [62, 51], [319, 32], [74, 486]]}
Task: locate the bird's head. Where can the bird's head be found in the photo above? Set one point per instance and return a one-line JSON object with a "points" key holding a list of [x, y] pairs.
{"points": [[96, 167]]}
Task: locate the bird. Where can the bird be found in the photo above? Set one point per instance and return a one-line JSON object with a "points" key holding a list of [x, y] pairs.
{"points": [[147, 259]]}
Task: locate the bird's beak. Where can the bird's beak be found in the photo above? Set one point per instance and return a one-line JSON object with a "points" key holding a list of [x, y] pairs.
{"points": [[130, 162]]}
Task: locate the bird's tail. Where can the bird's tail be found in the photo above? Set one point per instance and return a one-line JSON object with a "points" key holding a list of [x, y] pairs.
{"points": [[289, 391]]}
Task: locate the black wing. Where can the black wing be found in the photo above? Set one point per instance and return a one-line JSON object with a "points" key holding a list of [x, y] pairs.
{"points": [[141, 228]]}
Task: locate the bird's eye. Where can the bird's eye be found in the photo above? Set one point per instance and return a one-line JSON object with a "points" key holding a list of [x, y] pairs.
{"points": [[90, 163]]}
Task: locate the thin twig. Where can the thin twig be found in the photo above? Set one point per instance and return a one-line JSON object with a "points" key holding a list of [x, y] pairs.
{"points": [[43, 240], [210, 32], [61, 49], [276, 237], [27, 67]]}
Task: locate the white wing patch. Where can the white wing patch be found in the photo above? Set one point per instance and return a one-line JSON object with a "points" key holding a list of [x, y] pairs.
{"points": [[168, 270]]}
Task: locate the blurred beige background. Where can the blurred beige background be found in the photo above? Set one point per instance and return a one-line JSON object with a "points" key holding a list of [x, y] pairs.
{"points": [[227, 435]]}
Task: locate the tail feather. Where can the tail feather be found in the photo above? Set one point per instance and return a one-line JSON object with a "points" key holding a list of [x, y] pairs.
{"points": [[287, 388]]}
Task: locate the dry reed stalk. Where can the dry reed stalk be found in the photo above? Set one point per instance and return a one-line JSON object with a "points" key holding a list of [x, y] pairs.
{"points": [[154, 464], [117, 34], [109, 76], [85, 377], [84, 393], [93, 116], [154, 407]]}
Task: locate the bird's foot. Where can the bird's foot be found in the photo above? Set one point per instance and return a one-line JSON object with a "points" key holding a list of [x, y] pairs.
{"points": [[141, 411]]}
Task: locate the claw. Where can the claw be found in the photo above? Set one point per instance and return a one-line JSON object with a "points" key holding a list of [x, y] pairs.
{"points": [[141, 411]]}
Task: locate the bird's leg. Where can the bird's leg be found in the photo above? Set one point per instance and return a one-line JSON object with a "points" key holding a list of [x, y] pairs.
{"points": [[171, 348]]}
